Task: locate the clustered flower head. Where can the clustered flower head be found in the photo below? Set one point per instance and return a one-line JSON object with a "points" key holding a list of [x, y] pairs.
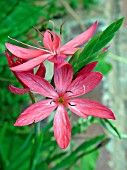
{"points": [[67, 86]]}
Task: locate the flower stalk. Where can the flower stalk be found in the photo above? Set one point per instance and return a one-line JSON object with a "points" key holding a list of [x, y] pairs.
{"points": [[34, 157]]}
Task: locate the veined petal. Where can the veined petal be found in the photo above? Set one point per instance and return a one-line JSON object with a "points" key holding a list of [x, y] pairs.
{"points": [[51, 40], [87, 69], [36, 112], [41, 71], [85, 107], [17, 90], [38, 84], [58, 58], [83, 85], [68, 51], [62, 127], [30, 64], [24, 52], [63, 77], [81, 39]]}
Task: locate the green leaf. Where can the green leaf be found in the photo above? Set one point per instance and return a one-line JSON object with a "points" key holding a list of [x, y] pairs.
{"points": [[92, 49], [102, 66], [19, 21], [84, 146], [70, 159], [42, 166], [74, 58], [104, 122], [88, 162]]}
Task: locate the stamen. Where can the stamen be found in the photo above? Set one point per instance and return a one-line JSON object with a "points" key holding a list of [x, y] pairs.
{"points": [[37, 43], [72, 104], [52, 101], [61, 28], [52, 38], [27, 44], [53, 25], [37, 30], [84, 88], [69, 91]]}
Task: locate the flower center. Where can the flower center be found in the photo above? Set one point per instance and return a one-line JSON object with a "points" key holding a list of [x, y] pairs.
{"points": [[61, 100]]}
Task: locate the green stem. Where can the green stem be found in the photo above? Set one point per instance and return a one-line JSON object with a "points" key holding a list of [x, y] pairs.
{"points": [[34, 158], [32, 97], [118, 58]]}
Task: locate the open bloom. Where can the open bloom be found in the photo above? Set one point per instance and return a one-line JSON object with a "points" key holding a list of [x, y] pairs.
{"points": [[51, 50], [14, 61], [61, 97]]}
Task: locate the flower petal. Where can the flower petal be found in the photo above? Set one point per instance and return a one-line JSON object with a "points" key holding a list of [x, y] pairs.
{"points": [[30, 64], [23, 52], [85, 107], [17, 90], [51, 40], [11, 63], [83, 85], [38, 84], [87, 69], [41, 71], [80, 39], [63, 77], [58, 58], [36, 112], [69, 51], [62, 127]]}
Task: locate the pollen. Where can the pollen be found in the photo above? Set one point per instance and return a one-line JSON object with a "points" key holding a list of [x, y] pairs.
{"points": [[61, 100]]}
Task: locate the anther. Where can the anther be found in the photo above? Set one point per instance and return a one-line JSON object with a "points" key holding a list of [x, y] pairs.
{"points": [[39, 32], [52, 101], [52, 38], [53, 25], [61, 28], [69, 91], [72, 104]]}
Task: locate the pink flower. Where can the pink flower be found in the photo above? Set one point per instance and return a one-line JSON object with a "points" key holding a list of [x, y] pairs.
{"points": [[40, 72], [51, 50], [61, 97]]}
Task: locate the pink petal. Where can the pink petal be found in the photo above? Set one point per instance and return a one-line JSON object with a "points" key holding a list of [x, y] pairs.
{"points": [[83, 85], [11, 63], [68, 51], [62, 127], [63, 77], [58, 58], [85, 107], [87, 69], [23, 52], [38, 84], [30, 64], [16, 90], [36, 112], [41, 71], [80, 39], [51, 40]]}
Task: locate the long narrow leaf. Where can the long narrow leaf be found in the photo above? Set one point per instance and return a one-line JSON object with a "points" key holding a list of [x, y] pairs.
{"points": [[112, 126], [95, 45], [66, 162]]}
